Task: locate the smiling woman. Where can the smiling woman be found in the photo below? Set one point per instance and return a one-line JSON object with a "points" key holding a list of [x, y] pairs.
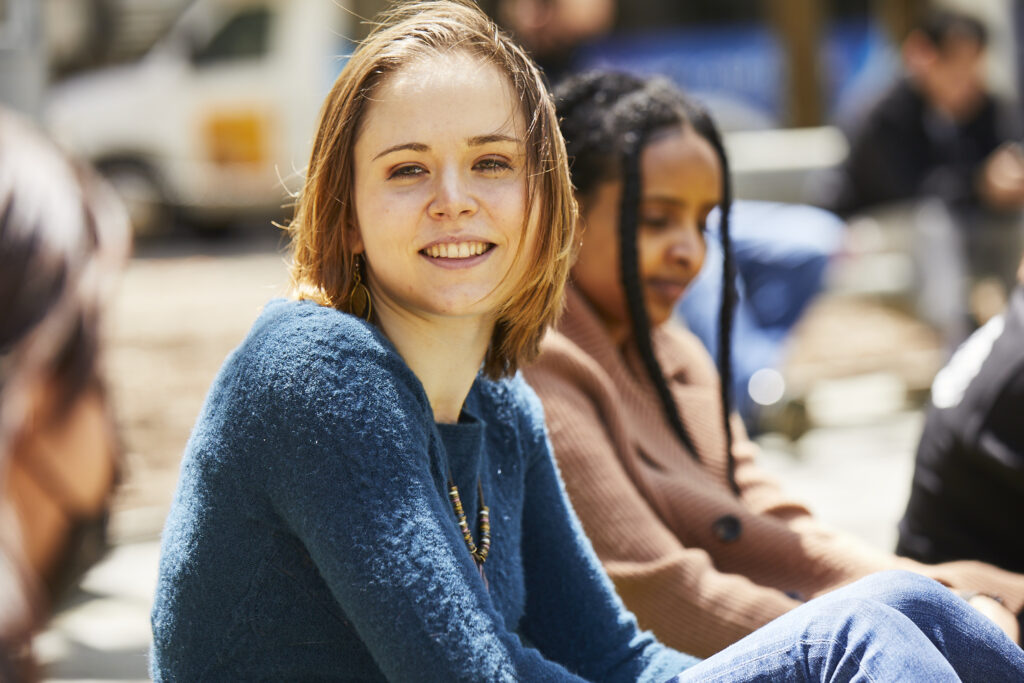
{"points": [[369, 493], [440, 192]]}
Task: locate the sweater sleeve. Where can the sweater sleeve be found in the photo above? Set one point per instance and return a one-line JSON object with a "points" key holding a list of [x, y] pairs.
{"points": [[675, 590], [347, 466], [572, 609]]}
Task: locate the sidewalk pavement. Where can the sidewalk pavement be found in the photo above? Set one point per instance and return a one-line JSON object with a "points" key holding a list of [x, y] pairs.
{"points": [[102, 632]]}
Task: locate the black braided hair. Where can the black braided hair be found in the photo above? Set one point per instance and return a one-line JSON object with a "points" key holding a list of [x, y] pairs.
{"points": [[607, 119], [706, 128]]}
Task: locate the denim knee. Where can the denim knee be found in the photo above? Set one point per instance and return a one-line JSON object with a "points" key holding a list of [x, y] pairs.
{"points": [[924, 600], [902, 584]]}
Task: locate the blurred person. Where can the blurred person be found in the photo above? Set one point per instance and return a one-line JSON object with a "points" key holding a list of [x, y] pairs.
{"points": [[551, 30], [703, 546], [937, 132], [63, 238], [967, 495], [941, 153], [320, 527]]}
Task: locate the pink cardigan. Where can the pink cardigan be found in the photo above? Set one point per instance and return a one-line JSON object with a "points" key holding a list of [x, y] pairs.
{"points": [[697, 565]]}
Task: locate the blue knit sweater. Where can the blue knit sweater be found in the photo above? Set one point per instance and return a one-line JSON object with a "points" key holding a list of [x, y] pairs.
{"points": [[311, 536]]}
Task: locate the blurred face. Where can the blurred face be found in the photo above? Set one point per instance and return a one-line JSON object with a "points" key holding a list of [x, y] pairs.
{"points": [[440, 189], [951, 78], [78, 449], [682, 183]]}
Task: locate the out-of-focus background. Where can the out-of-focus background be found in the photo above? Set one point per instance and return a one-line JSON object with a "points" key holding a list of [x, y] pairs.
{"points": [[201, 114]]}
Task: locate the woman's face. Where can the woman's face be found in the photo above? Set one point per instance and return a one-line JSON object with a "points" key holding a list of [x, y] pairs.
{"points": [[440, 189], [682, 183]]}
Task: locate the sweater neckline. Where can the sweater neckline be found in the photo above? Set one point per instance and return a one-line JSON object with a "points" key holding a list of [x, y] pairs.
{"points": [[582, 325]]}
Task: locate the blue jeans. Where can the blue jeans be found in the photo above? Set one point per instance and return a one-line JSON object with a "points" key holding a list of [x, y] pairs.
{"points": [[891, 626]]}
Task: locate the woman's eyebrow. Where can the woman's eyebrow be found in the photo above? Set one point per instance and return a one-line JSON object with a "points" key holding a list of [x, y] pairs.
{"points": [[479, 140], [414, 146], [475, 141], [665, 199]]}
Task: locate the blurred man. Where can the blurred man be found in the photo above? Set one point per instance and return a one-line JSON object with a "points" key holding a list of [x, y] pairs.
{"points": [[940, 149], [937, 132]]}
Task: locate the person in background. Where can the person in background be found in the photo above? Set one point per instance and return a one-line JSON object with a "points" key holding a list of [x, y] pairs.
{"points": [[552, 30], [967, 494], [63, 239], [702, 545], [936, 132], [942, 154]]}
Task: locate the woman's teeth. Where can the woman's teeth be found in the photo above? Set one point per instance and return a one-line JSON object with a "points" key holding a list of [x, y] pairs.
{"points": [[456, 250]]}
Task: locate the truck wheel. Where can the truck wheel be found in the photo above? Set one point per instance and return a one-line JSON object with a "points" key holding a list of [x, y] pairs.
{"points": [[142, 196]]}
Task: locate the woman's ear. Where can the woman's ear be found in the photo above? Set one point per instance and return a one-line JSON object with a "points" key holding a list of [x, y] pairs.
{"points": [[355, 239]]}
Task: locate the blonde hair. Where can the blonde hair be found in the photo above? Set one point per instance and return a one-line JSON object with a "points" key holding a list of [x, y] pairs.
{"points": [[323, 228]]}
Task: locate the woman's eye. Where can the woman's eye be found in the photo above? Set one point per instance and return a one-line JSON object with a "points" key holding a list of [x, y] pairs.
{"points": [[656, 222], [492, 165], [407, 171]]}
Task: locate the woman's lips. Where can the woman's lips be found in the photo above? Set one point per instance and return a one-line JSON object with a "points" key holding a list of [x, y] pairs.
{"points": [[463, 249], [463, 254], [668, 290]]}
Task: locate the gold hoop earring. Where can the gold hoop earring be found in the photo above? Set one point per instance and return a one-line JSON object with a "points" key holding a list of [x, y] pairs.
{"points": [[359, 302]]}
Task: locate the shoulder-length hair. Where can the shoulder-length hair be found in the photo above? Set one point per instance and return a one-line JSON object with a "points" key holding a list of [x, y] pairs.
{"points": [[323, 228]]}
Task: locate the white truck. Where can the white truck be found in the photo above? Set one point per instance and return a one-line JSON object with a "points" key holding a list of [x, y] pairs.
{"points": [[215, 121]]}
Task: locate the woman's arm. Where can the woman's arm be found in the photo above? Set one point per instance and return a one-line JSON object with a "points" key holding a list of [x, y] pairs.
{"points": [[825, 557], [676, 591]]}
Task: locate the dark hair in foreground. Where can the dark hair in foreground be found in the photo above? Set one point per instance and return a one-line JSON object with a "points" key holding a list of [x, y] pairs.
{"points": [[63, 237], [325, 219], [607, 118]]}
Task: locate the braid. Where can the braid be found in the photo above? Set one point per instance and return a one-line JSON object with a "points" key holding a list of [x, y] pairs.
{"points": [[629, 269], [705, 126]]}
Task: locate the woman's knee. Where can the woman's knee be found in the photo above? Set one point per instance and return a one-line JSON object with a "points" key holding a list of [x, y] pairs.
{"points": [[905, 591], [862, 633], [899, 582]]}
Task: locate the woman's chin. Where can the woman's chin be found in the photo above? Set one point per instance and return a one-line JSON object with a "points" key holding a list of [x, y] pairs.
{"points": [[659, 310]]}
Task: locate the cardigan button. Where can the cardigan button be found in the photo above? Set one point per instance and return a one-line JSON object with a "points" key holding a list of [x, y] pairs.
{"points": [[727, 528]]}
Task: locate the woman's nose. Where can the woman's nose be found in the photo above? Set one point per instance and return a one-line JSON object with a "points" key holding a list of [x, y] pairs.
{"points": [[452, 198], [686, 246]]}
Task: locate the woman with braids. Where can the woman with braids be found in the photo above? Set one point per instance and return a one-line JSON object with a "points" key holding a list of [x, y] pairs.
{"points": [[369, 493], [702, 546]]}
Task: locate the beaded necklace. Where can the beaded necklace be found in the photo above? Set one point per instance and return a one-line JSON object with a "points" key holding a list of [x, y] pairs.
{"points": [[479, 553]]}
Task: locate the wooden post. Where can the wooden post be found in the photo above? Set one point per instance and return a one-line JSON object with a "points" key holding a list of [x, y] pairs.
{"points": [[798, 24], [897, 17]]}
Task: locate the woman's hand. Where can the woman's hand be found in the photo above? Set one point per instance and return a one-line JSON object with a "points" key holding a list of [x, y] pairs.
{"points": [[994, 610]]}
